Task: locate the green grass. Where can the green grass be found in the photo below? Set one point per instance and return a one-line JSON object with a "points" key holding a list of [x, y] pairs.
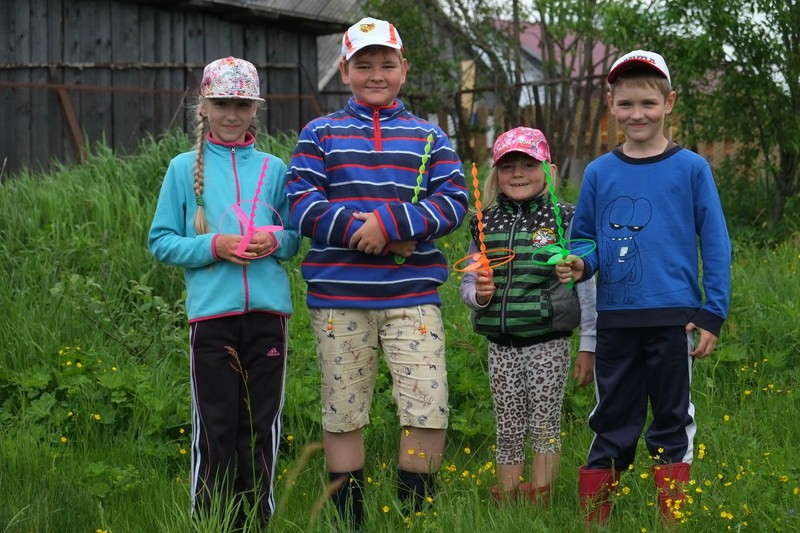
{"points": [[94, 391]]}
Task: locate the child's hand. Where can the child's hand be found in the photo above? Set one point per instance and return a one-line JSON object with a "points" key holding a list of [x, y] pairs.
{"points": [[261, 243], [403, 248], [706, 343], [369, 237], [226, 245], [570, 270], [484, 286], [583, 370]]}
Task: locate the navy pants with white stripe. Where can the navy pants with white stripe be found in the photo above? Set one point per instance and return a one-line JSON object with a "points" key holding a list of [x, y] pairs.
{"points": [[634, 366], [238, 367]]}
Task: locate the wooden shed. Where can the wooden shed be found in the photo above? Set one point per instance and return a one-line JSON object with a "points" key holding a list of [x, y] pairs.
{"points": [[78, 71]]}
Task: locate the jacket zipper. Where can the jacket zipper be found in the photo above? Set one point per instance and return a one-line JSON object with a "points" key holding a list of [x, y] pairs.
{"points": [[509, 245], [376, 126], [241, 229]]}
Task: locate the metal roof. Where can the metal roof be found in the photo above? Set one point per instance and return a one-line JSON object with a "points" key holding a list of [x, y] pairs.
{"points": [[315, 16]]}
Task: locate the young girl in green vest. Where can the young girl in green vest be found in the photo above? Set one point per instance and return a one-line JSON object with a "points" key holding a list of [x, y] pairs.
{"points": [[526, 314]]}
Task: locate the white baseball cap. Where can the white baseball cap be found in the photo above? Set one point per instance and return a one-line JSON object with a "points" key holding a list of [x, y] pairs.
{"points": [[639, 59], [368, 32]]}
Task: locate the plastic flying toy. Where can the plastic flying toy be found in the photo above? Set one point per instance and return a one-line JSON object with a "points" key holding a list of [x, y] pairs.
{"points": [[399, 259], [484, 259], [248, 222], [564, 248]]}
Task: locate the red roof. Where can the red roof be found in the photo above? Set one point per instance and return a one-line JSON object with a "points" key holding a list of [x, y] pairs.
{"points": [[531, 38]]}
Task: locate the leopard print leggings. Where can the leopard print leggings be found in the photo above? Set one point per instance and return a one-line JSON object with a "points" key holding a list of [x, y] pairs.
{"points": [[528, 391]]}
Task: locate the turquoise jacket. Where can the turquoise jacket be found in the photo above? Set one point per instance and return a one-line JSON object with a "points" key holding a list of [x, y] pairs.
{"points": [[217, 288]]}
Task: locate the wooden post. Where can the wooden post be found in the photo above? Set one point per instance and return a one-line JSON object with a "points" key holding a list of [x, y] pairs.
{"points": [[70, 116]]}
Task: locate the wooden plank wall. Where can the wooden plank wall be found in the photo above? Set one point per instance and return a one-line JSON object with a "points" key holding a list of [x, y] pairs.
{"points": [[126, 70]]}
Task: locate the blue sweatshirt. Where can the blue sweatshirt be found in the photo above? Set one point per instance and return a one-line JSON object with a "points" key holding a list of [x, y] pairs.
{"points": [[217, 288], [650, 217], [367, 159]]}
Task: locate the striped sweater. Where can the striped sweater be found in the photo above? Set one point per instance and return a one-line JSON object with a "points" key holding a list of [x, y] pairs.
{"points": [[367, 159]]}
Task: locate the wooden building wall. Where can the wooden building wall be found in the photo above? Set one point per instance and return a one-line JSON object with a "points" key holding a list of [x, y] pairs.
{"points": [[75, 70]]}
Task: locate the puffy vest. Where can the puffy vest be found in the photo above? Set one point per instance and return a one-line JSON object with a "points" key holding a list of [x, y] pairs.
{"points": [[529, 300]]}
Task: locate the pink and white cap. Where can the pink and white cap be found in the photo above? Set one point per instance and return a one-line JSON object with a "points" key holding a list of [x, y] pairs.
{"points": [[639, 59], [528, 141], [230, 77], [368, 32]]}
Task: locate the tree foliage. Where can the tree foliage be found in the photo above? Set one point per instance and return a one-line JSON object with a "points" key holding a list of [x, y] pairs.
{"points": [[487, 33], [736, 67]]}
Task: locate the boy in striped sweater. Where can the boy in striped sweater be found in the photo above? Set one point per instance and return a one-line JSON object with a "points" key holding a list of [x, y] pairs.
{"points": [[373, 186]]}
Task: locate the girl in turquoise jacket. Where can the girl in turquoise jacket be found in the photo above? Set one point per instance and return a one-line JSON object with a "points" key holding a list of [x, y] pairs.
{"points": [[221, 216]]}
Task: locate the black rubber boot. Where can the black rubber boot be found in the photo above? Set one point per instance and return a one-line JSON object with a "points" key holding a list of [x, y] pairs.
{"points": [[413, 488], [349, 497]]}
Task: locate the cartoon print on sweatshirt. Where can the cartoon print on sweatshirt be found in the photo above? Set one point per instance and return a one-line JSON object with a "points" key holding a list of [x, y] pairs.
{"points": [[623, 219]]}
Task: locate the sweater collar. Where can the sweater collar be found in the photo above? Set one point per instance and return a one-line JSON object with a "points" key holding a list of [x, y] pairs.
{"points": [[242, 148], [510, 206], [366, 111]]}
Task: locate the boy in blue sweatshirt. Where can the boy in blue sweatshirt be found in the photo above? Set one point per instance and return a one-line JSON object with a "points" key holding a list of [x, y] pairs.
{"points": [[373, 186], [648, 204]]}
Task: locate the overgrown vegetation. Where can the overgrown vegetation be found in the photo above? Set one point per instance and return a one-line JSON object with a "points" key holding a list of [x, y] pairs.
{"points": [[94, 386]]}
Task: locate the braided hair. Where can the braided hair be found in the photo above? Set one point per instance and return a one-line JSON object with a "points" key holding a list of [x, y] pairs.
{"points": [[200, 221]]}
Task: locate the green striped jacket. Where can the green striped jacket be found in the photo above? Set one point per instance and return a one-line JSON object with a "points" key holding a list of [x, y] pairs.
{"points": [[529, 300]]}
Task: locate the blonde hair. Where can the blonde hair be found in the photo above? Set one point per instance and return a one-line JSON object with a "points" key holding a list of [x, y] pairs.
{"points": [[491, 187], [200, 132], [642, 77]]}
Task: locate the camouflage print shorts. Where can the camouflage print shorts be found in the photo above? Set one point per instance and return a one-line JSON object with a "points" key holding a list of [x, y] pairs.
{"points": [[412, 341]]}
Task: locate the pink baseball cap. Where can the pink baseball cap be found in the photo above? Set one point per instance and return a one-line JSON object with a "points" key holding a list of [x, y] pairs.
{"points": [[525, 140], [368, 32], [639, 59], [230, 77]]}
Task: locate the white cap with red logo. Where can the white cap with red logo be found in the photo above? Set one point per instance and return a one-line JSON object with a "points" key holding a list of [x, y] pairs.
{"points": [[639, 59], [368, 32]]}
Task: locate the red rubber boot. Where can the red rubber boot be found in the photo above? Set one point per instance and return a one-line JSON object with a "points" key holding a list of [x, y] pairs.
{"points": [[594, 487], [669, 479], [538, 496]]}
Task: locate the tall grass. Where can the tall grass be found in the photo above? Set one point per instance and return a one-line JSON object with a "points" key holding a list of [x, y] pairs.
{"points": [[94, 389]]}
